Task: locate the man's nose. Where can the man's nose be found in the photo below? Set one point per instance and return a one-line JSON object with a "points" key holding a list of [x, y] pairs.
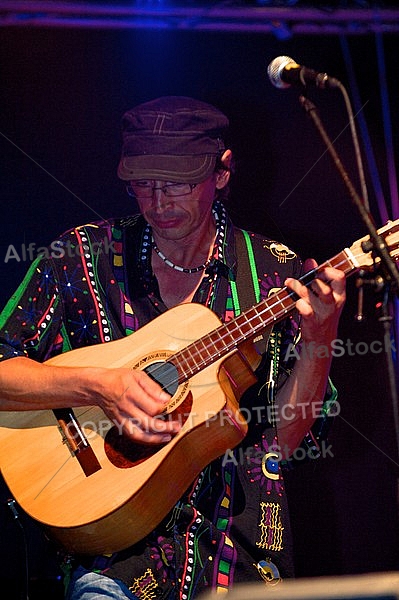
{"points": [[159, 198]]}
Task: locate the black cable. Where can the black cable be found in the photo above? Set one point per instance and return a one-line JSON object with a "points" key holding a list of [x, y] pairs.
{"points": [[12, 505]]}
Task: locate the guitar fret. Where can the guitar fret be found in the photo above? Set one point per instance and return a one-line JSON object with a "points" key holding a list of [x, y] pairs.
{"points": [[205, 348], [219, 341], [257, 321], [191, 359], [184, 363], [197, 354], [243, 324], [344, 261]]}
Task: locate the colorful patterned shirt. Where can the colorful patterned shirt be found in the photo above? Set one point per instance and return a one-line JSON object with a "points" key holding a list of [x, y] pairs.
{"points": [[94, 285]]}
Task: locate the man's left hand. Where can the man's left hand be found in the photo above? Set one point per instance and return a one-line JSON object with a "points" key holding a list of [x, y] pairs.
{"points": [[320, 303]]}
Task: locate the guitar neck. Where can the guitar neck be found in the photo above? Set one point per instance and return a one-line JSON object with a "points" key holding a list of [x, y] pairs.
{"points": [[248, 324]]}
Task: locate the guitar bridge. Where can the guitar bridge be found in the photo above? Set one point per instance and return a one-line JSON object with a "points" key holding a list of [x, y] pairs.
{"points": [[76, 441]]}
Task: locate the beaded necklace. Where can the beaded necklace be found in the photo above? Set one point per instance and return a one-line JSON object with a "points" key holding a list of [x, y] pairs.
{"points": [[178, 267]]}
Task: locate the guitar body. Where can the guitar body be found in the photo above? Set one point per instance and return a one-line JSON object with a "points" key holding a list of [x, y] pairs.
{"points": [[133, 487]]}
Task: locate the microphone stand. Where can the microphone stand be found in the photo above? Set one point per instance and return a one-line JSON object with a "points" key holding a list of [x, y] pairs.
{"points": [[377, 245]]}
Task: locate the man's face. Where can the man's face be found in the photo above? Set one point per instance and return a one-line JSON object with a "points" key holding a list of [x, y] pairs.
{"points": [[175, 218]]}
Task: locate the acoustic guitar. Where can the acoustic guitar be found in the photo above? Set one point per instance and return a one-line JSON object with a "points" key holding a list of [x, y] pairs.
{"points": [[93, 489]]}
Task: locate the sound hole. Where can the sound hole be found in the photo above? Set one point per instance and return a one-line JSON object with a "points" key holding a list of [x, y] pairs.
{"points": [[122, 452], [165, 374]]}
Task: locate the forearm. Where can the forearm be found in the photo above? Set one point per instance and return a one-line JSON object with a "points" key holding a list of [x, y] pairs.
{"points": [[301, 398], [28, 385], [129, 397]]}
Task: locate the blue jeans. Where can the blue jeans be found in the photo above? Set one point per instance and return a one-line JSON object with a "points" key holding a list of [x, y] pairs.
{"points": [[86, 585]]}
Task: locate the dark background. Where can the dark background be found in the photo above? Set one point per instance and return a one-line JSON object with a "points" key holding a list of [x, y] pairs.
{"points": [[62, 94]]}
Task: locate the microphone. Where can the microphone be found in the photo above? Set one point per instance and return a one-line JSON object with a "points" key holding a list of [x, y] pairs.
{"points": [[284, 72]]}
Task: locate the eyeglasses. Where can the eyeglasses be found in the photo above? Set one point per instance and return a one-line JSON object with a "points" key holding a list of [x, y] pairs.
{"points": [[143, 188]]}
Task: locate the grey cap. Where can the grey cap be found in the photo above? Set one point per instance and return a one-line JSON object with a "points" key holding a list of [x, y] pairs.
{"points": [[173, 138]]}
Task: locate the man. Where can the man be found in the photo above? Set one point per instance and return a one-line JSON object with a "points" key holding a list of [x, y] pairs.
{"points": [[232, 524]]}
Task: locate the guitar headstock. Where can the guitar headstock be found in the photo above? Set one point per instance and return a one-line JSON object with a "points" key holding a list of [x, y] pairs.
{"points": [[390, 234]]}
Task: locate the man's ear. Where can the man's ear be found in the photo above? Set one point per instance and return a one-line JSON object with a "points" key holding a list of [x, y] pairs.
{"points": [[223, 176]]}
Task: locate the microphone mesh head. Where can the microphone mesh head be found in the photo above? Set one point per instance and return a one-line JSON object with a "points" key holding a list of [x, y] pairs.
{"points": [[276, 68]]}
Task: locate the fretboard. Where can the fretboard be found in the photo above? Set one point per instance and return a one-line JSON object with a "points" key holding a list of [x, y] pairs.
{"points": [[221, 341]]}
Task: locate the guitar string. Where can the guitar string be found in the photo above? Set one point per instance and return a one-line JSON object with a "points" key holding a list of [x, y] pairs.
{"points": [[288, 295]]}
